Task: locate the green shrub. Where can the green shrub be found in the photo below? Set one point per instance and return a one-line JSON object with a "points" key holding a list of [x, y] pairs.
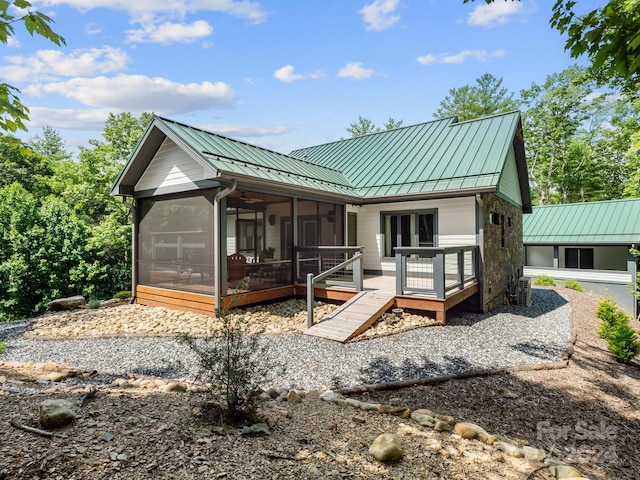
{"points": [[610, 315], [573, 285], [122, 295], [623, 343], [545, 281], [233, 367], [93, 303], [3, 346]]}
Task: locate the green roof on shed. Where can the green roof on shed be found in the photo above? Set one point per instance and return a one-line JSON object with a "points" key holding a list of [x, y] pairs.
{"points": [[614, 221], [438, 156]]}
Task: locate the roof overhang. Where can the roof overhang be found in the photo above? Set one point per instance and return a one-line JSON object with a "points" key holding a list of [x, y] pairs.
{"points": [[142, 156]]}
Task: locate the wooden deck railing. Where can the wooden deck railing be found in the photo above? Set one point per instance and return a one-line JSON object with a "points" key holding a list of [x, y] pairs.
{"points": [[435, 271]]}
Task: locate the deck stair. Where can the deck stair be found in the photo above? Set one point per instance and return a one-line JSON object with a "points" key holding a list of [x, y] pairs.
{"points": [[353, 317]]}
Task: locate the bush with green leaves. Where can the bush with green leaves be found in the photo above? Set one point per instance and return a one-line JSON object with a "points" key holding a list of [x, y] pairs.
{"points": [[610, 317], [3, 346], [122, 295], [623, 343], [573, 285], [622, 340], [545, 281], [233, 366]]}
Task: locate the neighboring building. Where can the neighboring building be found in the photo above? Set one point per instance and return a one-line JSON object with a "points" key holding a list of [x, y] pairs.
{"points": [[588, 242], [214, 216]]}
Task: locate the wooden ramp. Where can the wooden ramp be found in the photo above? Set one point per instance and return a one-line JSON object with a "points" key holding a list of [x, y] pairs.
{"points": [[353, 317]]}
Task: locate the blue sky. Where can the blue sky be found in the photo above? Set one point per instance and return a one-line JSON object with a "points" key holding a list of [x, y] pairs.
{"points": [[279, 74]]}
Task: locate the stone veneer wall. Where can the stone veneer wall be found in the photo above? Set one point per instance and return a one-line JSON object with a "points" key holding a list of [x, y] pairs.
{"points": [[501, 263]]}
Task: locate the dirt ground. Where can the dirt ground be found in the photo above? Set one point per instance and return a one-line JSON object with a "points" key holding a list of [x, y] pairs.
{"points": [[587, 414]]}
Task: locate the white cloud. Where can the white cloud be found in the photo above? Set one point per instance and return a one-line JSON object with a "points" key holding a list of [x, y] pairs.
{"points": [[53, 64], [92, 28], [496, 13], [166, 33], [288, 74], [458, 58], [356, 71], [380, 14], [244, 131], [138, 93], [68, 119], [12, 42], [138, 9]]}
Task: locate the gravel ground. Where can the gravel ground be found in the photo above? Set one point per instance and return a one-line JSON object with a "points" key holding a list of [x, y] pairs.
{"points": [[508, 336]]}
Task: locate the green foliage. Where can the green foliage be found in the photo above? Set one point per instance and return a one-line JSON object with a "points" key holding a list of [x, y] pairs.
{"points": [[365, 126], [610, 317], [3, 346], [623, 343], [488, 97], [573, 285], [622, 340], [93, 303], [13, 114], [545, 281], [233, 366], [122, 295]]}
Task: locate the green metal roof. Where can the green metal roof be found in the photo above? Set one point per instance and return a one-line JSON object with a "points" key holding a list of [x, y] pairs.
{"points": [[438, 156], [615, 221], [433, 158], [229, 157]]}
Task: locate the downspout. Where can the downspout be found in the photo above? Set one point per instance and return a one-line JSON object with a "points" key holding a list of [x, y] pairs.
{"points": [[134, 247], [217, 284], [480, 243]]}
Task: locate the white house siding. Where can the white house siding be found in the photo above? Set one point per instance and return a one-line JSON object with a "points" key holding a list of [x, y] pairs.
{"points": [[272, 234], [169, 167], [509, 184], [540, 256], [456, 226]]}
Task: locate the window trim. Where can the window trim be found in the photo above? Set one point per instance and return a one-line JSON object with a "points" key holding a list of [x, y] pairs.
{"points": [[414, 213]]}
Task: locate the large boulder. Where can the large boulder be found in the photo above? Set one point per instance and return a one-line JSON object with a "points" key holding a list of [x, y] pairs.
{"points": [[56, 413], [69, 303]]}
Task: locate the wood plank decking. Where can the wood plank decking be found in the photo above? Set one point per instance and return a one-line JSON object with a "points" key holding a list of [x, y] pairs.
{"points": [[354, 317]]}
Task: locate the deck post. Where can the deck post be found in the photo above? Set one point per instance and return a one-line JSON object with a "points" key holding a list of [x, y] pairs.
{"points": [[461, 268], [309, 300], [438, 274], [399, 273], [357, 275]]}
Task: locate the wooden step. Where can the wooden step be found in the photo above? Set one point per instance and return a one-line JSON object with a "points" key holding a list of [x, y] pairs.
{"points": [[353, 317]]}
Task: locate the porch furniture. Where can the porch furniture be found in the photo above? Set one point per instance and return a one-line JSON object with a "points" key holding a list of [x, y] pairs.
{"points": [[236, 267]]}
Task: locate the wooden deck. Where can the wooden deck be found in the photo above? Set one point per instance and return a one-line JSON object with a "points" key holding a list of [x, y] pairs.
{"points": [[353, 317]]}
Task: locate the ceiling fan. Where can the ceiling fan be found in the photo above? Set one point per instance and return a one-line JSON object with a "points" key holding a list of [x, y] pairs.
{"points": [[247, 199]]}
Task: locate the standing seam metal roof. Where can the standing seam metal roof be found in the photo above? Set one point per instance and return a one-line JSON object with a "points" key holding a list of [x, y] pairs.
{"points": [[614, 221]]}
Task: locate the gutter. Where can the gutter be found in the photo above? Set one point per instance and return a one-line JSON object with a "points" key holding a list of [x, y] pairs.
{"points": [[217, 284]]}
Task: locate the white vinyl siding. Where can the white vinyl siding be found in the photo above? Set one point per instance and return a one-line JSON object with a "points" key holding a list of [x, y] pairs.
{"points": [[509, 184], [169, 167], [456, 226]]}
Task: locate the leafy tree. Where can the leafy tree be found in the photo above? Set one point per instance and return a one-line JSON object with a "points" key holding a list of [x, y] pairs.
{"points": [[608, 35], [20, 164], [365, 126], [13, 113], [43, 247], [555, 111], [488, 97], [50, 145]]}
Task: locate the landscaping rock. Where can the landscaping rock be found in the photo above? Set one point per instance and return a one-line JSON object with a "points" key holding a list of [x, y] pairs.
{"points": [[423, 417], [293, 397], [402, 412], [440, 426], [472, 431], [386, 448], [56, 413], [69, 303], [256, 429], [532, 454], [509, 449]]}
